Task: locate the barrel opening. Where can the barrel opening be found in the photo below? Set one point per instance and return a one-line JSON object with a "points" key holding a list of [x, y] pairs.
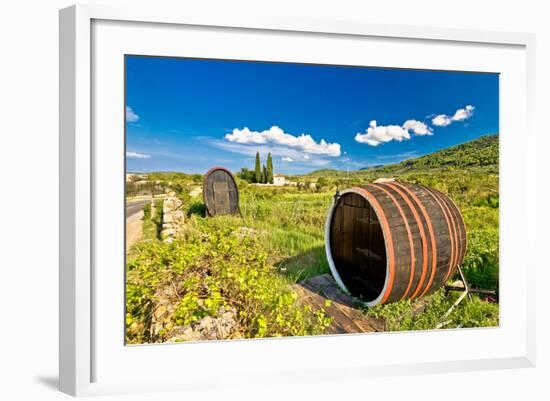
{"points": [[357, 246]]}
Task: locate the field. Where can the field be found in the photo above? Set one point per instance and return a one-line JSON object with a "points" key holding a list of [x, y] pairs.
{"points": [[238, 271]]}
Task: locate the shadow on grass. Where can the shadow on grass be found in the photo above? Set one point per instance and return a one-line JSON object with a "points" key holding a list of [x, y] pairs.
{"points": [[312, 262], [197, 208]]}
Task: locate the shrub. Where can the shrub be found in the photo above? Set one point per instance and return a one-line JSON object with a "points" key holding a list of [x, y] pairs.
{"points": [[147, 212], [211, 267], [481, 261]]}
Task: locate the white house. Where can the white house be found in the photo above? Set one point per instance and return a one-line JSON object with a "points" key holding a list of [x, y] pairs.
{"points": [[279, 180]]}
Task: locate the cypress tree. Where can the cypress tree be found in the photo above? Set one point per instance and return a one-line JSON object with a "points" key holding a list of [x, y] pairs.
{"points": [[269, 178], [257, 169], [264, 175]]}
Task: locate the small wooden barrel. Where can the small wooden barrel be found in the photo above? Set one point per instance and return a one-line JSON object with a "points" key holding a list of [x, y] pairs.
{"points": [[393, 240], [220, 192]]}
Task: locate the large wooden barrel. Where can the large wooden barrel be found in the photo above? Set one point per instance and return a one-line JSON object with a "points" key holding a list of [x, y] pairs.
{"points": [[220, 192], [393, 240]]}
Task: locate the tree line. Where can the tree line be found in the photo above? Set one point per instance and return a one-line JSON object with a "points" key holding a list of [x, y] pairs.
{"points": [[262, 174]]}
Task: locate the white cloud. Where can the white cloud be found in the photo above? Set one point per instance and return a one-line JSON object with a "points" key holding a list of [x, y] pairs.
{"points": [[442, 120], [417, 127], [131, 116], [463, 114], [278, 152], [375, 134], [287, 159], [135, 155], [276, 136]]}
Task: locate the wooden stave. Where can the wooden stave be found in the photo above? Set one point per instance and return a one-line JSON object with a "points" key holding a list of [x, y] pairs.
{"points": [[445, 264], [401, 241], [463, 236], [442, 231], [207, 200], [421, 239]]}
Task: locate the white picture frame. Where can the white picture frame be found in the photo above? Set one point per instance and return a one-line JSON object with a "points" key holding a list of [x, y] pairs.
{"points": [[84, 327]]}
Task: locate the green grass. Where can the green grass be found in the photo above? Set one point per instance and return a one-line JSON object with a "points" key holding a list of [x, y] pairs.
{"points": [[400, 316], [291, 224], [152, 221]]}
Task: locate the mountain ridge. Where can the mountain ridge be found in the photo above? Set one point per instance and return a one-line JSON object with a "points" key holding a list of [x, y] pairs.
{"points": [[478, 154]]}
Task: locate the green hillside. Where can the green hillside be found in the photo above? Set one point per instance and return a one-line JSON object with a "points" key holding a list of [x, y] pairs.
{"points": [[324, 172], [480, 155]]}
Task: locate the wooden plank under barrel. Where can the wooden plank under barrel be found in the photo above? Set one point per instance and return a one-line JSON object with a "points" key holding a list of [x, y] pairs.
{"points": [[220, 192], [393, 240]]}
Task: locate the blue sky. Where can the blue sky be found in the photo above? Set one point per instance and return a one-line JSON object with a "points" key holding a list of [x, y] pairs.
{"points": [[189, 114]]}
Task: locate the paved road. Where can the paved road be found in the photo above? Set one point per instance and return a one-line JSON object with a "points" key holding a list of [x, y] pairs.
{"points": [[134, 223], [133, 207]]}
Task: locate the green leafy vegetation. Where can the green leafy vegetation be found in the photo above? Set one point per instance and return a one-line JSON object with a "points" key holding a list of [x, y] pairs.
{"points": [[213, 265], [478, 155], [152, 220], [246, 175]]}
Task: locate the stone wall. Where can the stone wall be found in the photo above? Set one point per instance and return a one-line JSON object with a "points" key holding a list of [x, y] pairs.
{"points": [[173, 217]]}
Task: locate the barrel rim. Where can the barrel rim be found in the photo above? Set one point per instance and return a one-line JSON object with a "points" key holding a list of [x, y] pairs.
{"points": [[205, 177], [333, 270]]}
